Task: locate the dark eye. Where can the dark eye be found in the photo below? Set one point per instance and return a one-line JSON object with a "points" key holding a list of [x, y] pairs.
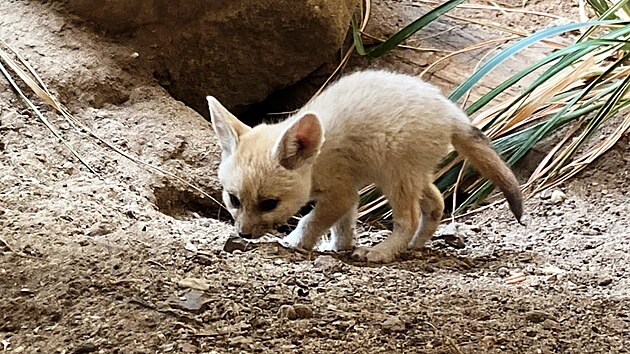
{"points": [[234, 201], [268, 204]]}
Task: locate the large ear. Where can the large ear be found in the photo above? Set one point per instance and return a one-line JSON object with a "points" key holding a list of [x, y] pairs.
{"points": [[300, 142], [227, 127]]}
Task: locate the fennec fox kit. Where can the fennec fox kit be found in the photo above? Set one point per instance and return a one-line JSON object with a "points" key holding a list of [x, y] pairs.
{"points": [[369, 127]]}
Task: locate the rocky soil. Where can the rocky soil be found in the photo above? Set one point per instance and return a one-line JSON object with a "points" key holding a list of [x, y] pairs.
{"points": [[134, 261]]}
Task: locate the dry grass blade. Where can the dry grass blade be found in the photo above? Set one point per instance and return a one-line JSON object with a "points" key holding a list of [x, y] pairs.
{"points": [[373, 206], [481, 60], [42, 85], [582, 12], [467, 49], [544, 94], [404, 46], [579, 164], [576, 81], [440, 33], [28, 80], [339, 67], [551, 43], [551, 171], [472, 212], [504, 9], [504, 4], [544, 166], [367, 4]]}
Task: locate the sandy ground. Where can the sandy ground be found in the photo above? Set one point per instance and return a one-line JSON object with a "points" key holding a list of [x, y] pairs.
{"points": [[134, 263]]}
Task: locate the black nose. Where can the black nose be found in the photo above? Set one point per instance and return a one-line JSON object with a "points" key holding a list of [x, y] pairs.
{"points": [[248, 236]]}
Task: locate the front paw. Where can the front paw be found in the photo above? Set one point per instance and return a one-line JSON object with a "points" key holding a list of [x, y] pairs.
{"points": [[373, 255], [295, 240]]}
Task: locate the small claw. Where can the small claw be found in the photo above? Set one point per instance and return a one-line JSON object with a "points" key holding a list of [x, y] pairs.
{"points": [[372, 255], [288, 243]]}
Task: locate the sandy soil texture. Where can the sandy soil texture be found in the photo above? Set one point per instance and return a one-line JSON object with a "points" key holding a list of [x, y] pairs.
{"points": [[133, 262]]}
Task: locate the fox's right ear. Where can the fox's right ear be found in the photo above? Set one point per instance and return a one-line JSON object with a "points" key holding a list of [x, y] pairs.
{"points": [[300, 143], [227, 127]]}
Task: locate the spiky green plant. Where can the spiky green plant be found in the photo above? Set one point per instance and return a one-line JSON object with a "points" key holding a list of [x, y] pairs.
{"points": [[581, 86]]}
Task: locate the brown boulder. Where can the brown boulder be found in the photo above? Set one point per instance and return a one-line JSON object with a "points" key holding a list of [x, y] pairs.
{"points": [[238, 51]]}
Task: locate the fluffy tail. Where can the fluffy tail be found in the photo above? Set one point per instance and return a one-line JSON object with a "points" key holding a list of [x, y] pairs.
{"points": [[475, 146]]}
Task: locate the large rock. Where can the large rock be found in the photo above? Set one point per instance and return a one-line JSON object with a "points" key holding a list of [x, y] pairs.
{"points": [[238, 51]]}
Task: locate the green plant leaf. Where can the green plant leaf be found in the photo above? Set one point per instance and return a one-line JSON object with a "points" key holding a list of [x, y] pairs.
{"points": [[600, 7], [588, 101], [398, 37], [591, 44], [543, 129], [518, 46], [612, 38], [356, 35], [605, 12]]}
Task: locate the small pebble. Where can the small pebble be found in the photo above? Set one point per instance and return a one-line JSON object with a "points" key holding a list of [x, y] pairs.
{"points": [[189, 246], [536, 316], [234, 244], [393, 324], [449, 230], [287, 311], [605, 281], [303, 311], [503, 272], [544, 195], [487, 342], [240, 341], [475, 228], [558, 197], [193, 300], [328, 264], [100, 230], [194, 283], [550, 324], [85, 348]]}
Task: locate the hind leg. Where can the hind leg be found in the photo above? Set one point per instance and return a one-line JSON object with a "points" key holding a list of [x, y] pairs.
{"points": [[432, 207], [404, 198]]}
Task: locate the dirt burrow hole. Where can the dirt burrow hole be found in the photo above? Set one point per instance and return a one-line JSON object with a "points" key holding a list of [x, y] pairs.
{"points": [[185, 204]]}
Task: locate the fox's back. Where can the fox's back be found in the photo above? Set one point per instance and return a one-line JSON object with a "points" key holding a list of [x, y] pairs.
{"points": [[379, 120]]}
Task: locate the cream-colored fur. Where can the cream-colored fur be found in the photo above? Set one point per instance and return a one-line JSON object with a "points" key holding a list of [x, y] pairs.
{"points": [[369, 127]]}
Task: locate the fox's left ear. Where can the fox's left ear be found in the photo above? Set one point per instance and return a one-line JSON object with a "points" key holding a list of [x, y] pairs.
{"points": [[300, 143], [227, 127]]}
